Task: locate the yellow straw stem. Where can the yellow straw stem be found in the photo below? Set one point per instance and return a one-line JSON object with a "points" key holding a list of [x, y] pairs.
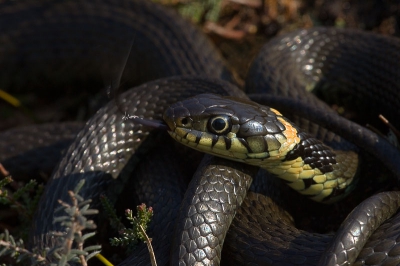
{"points": [[103, 260], [10, 99]]}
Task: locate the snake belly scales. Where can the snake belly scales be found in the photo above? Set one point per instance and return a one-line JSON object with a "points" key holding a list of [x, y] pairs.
{"points": [[56, 44]]}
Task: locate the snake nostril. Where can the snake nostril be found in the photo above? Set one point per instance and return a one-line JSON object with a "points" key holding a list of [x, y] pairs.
{"points": [[184, 121]]}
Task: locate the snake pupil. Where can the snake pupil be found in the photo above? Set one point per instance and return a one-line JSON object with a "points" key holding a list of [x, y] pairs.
{"points": [[219, 124]]}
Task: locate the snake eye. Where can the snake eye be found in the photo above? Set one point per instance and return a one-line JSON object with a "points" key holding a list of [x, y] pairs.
{"points": [[219, 124]]}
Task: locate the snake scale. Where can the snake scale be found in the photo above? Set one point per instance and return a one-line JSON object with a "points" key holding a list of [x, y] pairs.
{"points": [[64, 44]]}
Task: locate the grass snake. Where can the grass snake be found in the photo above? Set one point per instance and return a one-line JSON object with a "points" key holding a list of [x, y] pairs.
{"points": [[59, 44]]}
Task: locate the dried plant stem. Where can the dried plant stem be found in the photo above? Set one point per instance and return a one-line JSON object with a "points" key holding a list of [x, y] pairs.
{"points": [[149, 246], [387, 123], [3, 171]]}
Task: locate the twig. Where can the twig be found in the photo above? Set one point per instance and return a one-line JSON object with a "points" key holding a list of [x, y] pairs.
{"points": [[21, 250], [149, 246], [393, 128], [3, 171]]}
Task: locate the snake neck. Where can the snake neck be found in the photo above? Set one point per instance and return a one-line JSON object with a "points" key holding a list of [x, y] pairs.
{"points": [[315, 170]]}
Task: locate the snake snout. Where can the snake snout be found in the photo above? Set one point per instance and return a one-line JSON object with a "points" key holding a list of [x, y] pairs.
{"points": [[170, 118], [177, 115], [167, 117]]}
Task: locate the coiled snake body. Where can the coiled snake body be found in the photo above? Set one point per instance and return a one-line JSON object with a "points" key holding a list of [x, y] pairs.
{"points": [[106, 151]]}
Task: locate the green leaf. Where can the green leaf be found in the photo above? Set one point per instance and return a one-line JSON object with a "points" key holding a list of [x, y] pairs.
{"points": [[88, 235], [91, 255], [62, 261], [78, 252], [94, 247], [79, 186], [89, 212]]}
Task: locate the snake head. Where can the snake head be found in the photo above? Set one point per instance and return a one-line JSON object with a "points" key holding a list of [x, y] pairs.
{"points": [[232, 128]]}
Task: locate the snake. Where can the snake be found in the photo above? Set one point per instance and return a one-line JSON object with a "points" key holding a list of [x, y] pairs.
{"points": [[108, 149]]}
